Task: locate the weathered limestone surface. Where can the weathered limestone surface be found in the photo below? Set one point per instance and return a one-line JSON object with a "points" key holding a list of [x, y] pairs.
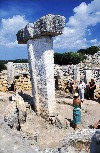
{"points": [[38, 36], [42, 73], [15, 112], [49, 25], [10, 73], [3, 81]]}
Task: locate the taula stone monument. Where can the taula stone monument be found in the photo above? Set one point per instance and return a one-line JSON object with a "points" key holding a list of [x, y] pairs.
{"points": [[39, 39]]}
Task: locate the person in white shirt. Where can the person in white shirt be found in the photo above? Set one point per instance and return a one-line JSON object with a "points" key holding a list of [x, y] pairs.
{"points": [[82, 87]]}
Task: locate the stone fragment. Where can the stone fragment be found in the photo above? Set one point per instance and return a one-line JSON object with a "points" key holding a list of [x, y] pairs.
{"points": [[15, 113], [11, 116]]}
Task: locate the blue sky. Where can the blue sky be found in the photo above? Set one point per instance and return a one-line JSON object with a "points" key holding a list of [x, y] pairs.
{"points": [[81, 31]]}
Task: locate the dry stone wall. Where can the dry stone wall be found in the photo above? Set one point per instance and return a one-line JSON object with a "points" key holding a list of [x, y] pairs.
{"points": [[23, 83], [62, 75], [3, 81], [21, 78]]}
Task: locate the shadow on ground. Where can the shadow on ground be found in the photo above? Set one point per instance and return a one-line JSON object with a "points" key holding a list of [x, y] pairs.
{"points": [[27, 98]]}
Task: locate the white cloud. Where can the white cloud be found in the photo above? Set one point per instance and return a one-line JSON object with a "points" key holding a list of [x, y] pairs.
{"points": [[9, 28], [95, 42], [78, 27]]}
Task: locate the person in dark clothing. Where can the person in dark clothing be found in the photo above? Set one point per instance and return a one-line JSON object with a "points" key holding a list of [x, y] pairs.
{"points": [[87, 91], [13, 86], [92, 87]]}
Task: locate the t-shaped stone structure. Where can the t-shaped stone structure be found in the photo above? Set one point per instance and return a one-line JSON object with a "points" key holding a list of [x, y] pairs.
{"points": [[38, 36]]}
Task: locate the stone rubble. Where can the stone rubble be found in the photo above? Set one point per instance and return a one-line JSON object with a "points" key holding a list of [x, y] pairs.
{"points": [[3, 81], [34, 129], [15, 112], [62, 75]]}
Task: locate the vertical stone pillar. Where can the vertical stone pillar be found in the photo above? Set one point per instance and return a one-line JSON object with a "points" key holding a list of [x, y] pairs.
{"points": [[42, 72], [38, 37], [10, 73], [88, 75]]}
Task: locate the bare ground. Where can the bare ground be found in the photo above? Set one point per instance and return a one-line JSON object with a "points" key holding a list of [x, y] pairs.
{"points": [[37, 131]]}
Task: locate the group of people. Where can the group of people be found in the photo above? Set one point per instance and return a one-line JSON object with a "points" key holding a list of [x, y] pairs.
{"points": [[79, 93], [84, 90]]}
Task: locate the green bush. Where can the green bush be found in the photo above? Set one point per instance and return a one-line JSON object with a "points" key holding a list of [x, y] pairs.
{"points": [[90, 51], [2, 65], [68, 58], [19, 61]]}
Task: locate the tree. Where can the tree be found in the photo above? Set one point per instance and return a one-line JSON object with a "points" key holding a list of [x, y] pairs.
{"points": [[2, 65], [91, 50], [68, 58], [20, 61], [58, 58]]}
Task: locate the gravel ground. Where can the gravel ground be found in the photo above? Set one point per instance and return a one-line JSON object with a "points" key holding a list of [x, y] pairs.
{"points": [[36, 135]]}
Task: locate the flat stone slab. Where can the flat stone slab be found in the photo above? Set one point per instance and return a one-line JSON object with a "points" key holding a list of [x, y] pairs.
{"points": [[49, 25]]}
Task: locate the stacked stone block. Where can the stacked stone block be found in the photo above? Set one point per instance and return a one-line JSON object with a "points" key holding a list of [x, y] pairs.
{"points": [[49, 25], [23, 83], [3, 81], [21, 68]]}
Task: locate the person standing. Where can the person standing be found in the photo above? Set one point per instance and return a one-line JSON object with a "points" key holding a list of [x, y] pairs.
{"points": [[92, 87], [82, 87], [76, 111], [74, 86]]}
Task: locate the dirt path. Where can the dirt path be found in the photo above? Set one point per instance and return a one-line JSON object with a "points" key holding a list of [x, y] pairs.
{"points": [[90, 111]]}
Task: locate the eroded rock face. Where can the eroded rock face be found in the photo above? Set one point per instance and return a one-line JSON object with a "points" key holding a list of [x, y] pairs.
{"points": [[11, 116], [15, 113], [84, 141], [49, 25]]}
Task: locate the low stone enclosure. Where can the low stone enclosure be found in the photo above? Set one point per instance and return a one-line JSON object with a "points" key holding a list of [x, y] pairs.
{"points": [[19, 73]]}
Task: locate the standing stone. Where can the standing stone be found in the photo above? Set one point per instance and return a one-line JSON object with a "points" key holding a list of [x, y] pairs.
{"points": [[10, 73], [38, 36], [88, 75]]}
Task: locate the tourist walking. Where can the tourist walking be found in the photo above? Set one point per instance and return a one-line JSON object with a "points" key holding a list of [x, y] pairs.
{"points": [[76, 111], [82, 87]]}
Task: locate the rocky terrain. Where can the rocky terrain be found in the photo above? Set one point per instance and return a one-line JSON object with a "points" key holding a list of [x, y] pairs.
{"points": [[22, 131]]}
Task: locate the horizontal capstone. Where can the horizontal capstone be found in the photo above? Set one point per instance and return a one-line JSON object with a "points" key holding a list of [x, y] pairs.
{"points": [[49, 25]]}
